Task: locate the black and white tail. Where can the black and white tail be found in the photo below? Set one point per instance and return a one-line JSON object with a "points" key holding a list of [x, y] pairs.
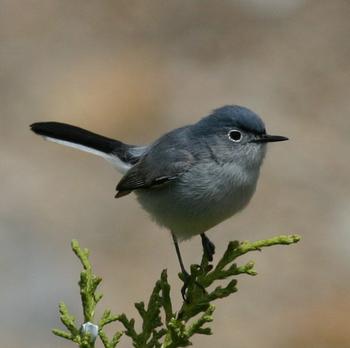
{"points": [[122, 156]]}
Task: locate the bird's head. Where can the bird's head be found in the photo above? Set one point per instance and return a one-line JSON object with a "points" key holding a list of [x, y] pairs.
{"points": [[235, 134]]}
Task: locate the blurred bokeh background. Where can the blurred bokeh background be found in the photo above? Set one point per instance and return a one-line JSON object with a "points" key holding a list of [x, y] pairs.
{"points": [[135, 69]]}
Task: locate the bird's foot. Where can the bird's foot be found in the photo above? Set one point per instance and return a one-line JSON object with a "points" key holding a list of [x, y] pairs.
{"points": [[208, 247], [187, 278]]}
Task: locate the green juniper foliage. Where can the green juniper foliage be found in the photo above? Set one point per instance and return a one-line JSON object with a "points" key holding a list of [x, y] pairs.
{"points": [[162, 327]]}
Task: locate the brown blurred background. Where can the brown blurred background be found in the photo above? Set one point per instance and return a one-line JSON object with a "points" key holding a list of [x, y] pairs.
{"points": [[135, 69]]}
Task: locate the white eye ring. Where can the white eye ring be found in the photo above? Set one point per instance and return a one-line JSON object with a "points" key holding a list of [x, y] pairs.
{"points": [[235, 135]]}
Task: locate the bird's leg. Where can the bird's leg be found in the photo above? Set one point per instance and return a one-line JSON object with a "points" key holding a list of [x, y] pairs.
{"points": [[186, 275], [183, 270], [208, 247]]}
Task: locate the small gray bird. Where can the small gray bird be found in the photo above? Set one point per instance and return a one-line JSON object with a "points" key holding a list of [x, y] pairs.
{"points": [[190, 179]]}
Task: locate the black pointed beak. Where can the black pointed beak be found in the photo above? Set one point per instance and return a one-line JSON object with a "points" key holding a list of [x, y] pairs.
{"points": [[266, 138]]}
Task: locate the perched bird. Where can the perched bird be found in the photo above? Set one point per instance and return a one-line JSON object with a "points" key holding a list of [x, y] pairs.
{"points": [[190, 179]]}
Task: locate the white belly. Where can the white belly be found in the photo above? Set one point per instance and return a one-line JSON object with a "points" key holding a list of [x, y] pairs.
{"points": [[200, 199]]}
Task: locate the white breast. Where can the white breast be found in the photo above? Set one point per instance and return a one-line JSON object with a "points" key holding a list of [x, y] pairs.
{"points": [[203, 197]]}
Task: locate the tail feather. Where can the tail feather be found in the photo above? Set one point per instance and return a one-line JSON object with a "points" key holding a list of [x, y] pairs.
{"points": [[76, 135], [121, 155]]}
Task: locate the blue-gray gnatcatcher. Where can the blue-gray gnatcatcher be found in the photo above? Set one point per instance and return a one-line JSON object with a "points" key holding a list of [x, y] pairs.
{"points": [[191, 178]]}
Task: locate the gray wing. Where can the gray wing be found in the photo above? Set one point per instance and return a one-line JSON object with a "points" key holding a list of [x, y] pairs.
{"points": [[164, 161]]}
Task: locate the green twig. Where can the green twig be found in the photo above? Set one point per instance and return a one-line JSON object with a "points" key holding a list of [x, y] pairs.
{"points": [[85, 335], [161, 327]]}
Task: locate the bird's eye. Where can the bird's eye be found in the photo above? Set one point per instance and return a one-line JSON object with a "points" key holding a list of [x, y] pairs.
{"points": [[235, 135]]}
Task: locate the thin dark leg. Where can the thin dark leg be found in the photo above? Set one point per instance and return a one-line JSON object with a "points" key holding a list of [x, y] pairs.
{"points": [[186, 275], [183, 270], [208, 247]]}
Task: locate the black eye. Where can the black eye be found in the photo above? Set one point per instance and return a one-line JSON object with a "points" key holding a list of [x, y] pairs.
{"points": [[235, 135]]}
